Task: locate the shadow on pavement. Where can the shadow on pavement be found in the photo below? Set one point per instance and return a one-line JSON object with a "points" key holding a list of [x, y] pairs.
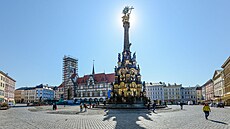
{"points": [[127, 118], [218, 122]]}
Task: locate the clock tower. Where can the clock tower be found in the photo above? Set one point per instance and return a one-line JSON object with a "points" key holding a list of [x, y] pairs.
{"points": [[128, 87]]}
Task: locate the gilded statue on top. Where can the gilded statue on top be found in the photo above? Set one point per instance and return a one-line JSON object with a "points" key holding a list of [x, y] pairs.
{"points": [[126, 11]]}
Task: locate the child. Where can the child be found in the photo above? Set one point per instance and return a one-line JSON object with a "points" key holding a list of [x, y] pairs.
{"points": [[206, 110]]}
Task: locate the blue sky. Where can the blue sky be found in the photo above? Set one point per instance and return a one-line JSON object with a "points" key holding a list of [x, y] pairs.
{"points": [[176, 41]]}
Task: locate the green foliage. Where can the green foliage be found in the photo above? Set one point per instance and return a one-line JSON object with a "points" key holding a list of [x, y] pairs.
{"points": [[4, 105]]}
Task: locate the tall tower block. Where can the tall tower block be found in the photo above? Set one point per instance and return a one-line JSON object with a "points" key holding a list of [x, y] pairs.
{"points": [[70, 66]]}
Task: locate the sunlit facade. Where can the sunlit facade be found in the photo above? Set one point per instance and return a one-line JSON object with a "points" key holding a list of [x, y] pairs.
{"points": [[7, 87], [226, 71], [155, 92], [172, 93], [218, 82], [94, 87]]}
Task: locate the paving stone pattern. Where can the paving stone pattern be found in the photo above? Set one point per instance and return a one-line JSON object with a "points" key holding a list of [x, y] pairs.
{"points": [[69, 117]]}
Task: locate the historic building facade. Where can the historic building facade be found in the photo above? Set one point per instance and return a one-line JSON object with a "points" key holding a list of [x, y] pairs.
{"points": [[44, 92], [30, 95], [2, 88], [172, 93], [94, 87], [199, 95], [203, 90], [188, 95], [34, 94], [19, 95], [7, 87], [218, 85], [128, 87], [155, 92], [226, 72], [59, 93], [209, 91]]}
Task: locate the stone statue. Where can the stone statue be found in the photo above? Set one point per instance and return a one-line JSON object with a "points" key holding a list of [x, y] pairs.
{"points": [[129, 46], [144, 86], [128, 88], [134, 56], [126, 11], [119, 57], [116, 69]]}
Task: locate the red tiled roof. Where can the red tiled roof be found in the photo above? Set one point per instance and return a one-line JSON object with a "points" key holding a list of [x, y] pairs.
{"points": [[100, 77], [110, 77], [62, 85]]}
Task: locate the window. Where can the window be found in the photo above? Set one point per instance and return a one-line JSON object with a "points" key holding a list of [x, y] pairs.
{"points": [[104, 93]]}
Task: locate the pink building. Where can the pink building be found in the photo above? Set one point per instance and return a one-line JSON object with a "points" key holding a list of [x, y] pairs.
{"points": [[209, 91]]}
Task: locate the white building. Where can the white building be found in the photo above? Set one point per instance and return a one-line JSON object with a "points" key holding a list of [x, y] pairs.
{"points": [[203, 89], [172, 93], [155, 91], [218, 82], [30, 95]]}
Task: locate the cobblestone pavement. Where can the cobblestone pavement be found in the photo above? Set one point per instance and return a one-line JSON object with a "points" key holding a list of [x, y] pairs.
{"points": [[70, 118]]}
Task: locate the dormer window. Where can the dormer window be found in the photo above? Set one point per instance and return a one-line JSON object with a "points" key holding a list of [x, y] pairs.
{"points": [[90, 81]]}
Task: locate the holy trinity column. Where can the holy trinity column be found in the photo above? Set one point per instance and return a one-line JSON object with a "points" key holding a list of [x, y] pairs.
{"points": [[128, 87]]}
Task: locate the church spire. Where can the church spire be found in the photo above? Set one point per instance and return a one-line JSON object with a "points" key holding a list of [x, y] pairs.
{"points": [[93, 72]]}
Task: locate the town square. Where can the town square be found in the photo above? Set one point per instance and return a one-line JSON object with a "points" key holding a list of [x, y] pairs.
{"points": [[120, 65], [66, 118]]}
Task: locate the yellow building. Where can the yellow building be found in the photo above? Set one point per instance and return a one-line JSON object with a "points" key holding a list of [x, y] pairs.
{"points": [[199, 95], [19, 95], [7, 87], [226, 71]]}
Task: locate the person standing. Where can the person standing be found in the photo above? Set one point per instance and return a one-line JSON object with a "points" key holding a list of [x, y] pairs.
{"points": [[154, 106], [54, 106], [148, 106], [181, 105], [206, 110], [81, 108]]}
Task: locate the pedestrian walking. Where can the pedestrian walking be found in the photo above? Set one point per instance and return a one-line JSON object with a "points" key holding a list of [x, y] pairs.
{"points": [[90, 104], [85, 106], [181, 105], [206, 110], [81, 107], [54, 106], [165, 104], [154, 106]]}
